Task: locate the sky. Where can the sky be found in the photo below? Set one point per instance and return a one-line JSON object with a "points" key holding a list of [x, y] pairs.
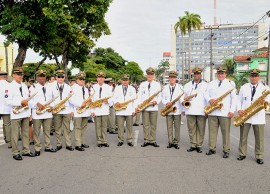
{"points": [[140, 29]]}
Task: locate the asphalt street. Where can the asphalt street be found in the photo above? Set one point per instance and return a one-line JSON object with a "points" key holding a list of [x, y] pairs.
{"points": [[138, 170]]}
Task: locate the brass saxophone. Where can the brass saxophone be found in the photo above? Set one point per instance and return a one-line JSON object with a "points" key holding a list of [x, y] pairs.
{"points": [[255, 107], [98, 103], [19, 109], [80, 110], [218, 105], [147, 102], [61, 105], [46, 106], [123, 105], [187, 99], [168, 109]]}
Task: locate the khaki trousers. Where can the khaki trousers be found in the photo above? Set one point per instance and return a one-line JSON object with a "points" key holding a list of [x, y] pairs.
{"points": [[16, 125], [121, 121], [111, 120], [149, 125], [101, 128], [138, 118], [173, 128], [196, 129], [80, 126], [62, 121], [6, 128], [259, 140], [46, 125], [214, 122]]}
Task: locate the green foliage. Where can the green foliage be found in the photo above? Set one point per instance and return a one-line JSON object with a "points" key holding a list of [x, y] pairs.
{"points": [[229, 63], [240, 80], [30, 69], [134, 71], [191, 21]]}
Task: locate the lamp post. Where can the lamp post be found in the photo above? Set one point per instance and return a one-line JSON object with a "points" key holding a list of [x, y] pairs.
{"points": [[183, 74]]}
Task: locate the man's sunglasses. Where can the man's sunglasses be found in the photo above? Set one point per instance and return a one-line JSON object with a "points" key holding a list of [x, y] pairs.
{"points": [[61, 76], [81, 79]]}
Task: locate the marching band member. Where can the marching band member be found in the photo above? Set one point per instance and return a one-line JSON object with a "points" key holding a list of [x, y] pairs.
{"points": [[103, 93], [38, 102], [194, 103], [18, 97], [62, 117], [78, 100], [221, 117], [149, 116], [173, 92], [248, 94], [123, 94]]}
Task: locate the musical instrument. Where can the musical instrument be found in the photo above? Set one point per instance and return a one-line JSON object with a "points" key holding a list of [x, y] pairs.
{"points": [[168, 109], [255, 107], [46, 106], [187, 99], [146, 103], [80, 110], [61, 105], [98, 103], [218, 105], [123, 105], [19, 109]]}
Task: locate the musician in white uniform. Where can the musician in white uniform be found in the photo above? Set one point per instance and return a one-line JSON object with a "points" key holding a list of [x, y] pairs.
{"points": [[148, 89], [221, 117], [193, 108], [248, 94], [122, 94], [101, 114], [18, 96], [44, 95], [172, 92], [62, 118], [78, 100]]}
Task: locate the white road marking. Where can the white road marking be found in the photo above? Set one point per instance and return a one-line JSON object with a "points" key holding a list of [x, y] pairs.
{"points": [[136, 135], [239, 140]]}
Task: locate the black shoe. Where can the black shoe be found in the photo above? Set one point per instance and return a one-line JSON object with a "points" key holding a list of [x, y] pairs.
{"points": [[130, 144], [135, 124], [241, 157], [79, 148], [105, 145], [70, 148], [155, 144], [260, 161], [176, 146], [51, 133], [199, 150], [170, 145], [9, 147], [17, 157], [113, 132], [141, 123], [20, 139], [210, 152], [120, 144], [145, 144], [29, 154], [37, 153], [51, 150], [191, 149], [85, 146], [31, 143], [226, 155], [58, 147], [99, 145]]}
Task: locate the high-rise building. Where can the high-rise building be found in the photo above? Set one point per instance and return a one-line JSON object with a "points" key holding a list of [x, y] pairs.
{"points": [[227, 40]]}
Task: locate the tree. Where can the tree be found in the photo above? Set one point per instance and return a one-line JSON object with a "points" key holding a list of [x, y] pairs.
{"points": [[191, 21], [30, 70], [240, 80], [229, 64], [134, 71]]}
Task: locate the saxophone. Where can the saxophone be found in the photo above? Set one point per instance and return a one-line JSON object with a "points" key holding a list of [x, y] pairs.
{"points": [[46, 106], [252, 110], [19, 109], [147, 102], [61, 105], [218, 105], [168, 109], [123, 105], [187, 99], [80, 110], [98, 103]]}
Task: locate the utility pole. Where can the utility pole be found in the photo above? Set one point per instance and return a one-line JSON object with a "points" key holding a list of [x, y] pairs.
{"points": [[183, 66], [268, 68]]}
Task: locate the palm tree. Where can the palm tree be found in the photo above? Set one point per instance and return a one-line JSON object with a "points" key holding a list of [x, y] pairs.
{"points": [[179, 25], [191, 21]]}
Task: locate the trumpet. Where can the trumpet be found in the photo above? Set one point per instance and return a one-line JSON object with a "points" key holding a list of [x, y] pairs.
{"points": [[19, 109]]}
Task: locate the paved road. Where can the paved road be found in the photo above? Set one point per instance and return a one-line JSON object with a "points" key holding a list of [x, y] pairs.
{"points": [[138, 170]]}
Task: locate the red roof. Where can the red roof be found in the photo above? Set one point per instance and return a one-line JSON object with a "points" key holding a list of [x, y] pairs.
{"points": [[261, 55], [241, 58]]}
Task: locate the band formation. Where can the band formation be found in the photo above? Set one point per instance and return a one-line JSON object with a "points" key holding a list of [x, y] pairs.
{"points": [[47, 106]]}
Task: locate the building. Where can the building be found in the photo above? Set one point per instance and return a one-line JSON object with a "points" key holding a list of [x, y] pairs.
{"points": [[257, 60], [6, 58], [226, 39]]}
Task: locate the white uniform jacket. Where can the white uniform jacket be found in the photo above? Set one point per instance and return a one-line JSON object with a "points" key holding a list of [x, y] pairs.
{"points": [[144, 93], [78, 98], [214, 91], [120, 96], [4, 90], [244, 101], [41, 97], [106, 91], [198, 102], [16, 94], [66, 92], [169, 94]]}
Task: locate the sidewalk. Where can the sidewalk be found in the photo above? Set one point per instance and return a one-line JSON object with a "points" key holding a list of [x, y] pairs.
{"points": [[1, 133]]}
